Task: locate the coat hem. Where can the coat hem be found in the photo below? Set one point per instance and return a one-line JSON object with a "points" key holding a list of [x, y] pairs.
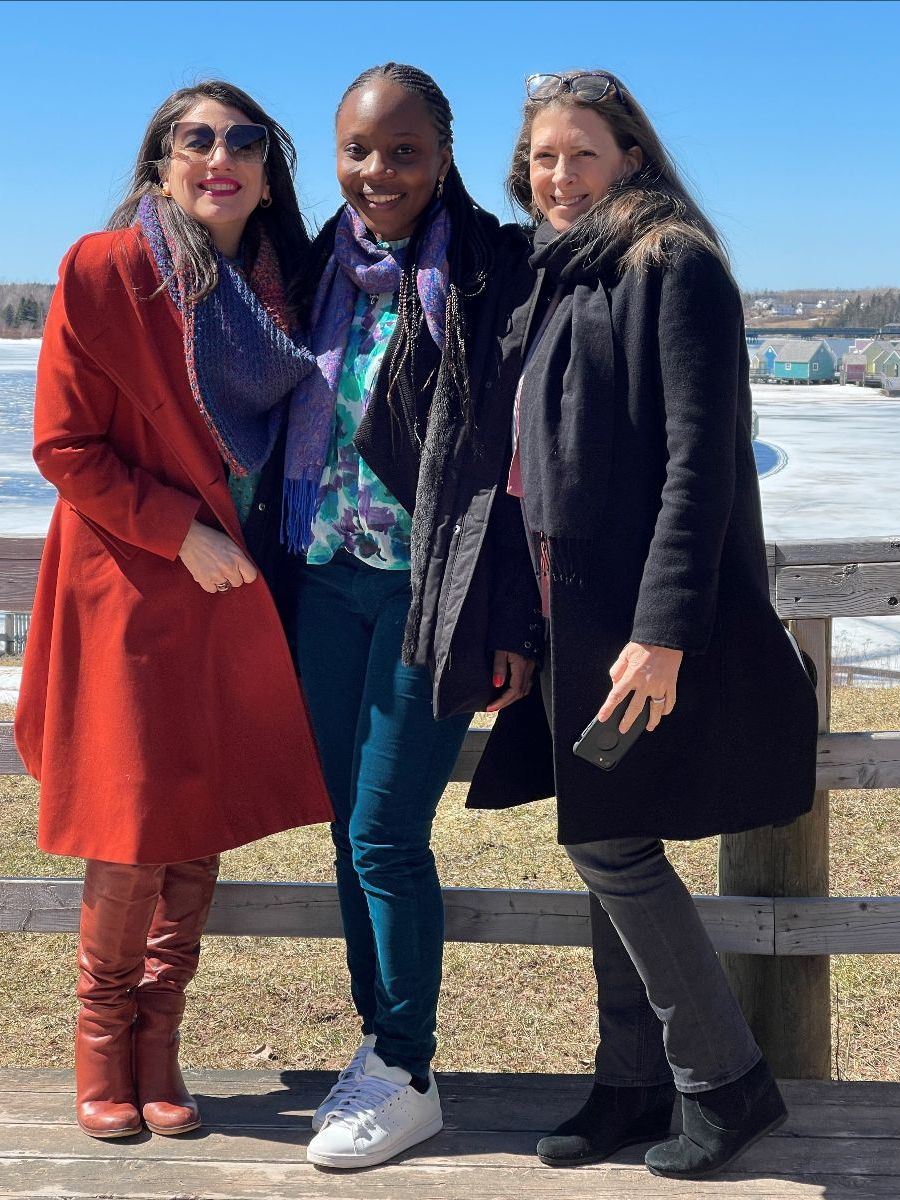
{"points": [[696, 834], [201, 850]]}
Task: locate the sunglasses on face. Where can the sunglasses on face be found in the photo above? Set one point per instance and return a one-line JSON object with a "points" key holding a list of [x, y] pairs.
{"points": [[196, 140], [590, 85]]}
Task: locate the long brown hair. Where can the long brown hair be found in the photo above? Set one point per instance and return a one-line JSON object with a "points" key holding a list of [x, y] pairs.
{"points": [[650, 214], [194, 249]]}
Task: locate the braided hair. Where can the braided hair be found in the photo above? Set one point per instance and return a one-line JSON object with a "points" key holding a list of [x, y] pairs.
{"points": [[469, 255]]}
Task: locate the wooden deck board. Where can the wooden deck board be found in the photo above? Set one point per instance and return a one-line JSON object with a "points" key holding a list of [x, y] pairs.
{"points": [[842, 1141], [255, 1181]]}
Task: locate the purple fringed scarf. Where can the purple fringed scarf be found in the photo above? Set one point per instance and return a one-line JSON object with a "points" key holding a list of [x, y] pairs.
{"points": [[241, 361], [355, 265]]}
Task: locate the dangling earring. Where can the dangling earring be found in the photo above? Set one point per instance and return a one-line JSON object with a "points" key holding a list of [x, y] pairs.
{"points": [[440, 187], [265, 202]]}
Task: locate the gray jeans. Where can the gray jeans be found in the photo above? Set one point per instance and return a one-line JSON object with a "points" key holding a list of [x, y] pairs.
{"points": [[664, 1003]]}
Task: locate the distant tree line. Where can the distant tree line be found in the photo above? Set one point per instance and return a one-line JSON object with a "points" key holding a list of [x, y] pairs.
{"points": [[873, 309], [23, 309]]}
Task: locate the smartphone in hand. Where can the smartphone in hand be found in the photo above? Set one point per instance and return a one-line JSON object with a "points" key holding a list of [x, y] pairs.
{"points": [[603, 745]]}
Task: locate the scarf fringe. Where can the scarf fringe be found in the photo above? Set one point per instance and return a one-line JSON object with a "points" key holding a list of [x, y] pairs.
{"points": [[568, 561], [298, 510]]}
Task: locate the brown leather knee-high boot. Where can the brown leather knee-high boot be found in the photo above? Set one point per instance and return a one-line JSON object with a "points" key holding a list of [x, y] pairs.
{"points": [[173, 951], [118, 903]]}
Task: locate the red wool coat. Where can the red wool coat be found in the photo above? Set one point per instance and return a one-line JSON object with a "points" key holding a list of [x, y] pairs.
{"points": [[163, 723]]}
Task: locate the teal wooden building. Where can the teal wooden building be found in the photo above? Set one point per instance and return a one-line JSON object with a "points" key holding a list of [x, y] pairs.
{"points": [[804, 360]]}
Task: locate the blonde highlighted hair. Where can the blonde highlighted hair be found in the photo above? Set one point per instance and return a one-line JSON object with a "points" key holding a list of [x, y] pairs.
{"points": [[648, 216]]}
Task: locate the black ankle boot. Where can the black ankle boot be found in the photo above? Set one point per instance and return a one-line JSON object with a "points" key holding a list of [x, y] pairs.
{"points": [[611, 1118], [719, 1125]]}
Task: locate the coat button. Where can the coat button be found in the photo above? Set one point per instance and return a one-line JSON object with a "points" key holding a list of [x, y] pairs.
{"points": [[261, 506], [488, 386], [457, 528]]}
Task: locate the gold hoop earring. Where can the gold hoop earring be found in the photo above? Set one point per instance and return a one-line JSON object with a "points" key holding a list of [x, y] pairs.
{"points": [[265, 202], [440, 186]]}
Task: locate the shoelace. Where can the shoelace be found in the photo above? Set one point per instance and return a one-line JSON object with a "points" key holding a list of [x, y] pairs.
{"points": [[347, 1079], [361, 1105]]}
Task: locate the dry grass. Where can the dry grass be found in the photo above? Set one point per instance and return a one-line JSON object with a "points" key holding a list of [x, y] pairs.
{"points": [[284, 1002]]}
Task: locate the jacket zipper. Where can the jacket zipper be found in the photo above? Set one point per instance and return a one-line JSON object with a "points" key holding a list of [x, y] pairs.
{"points": [[457, 533]]}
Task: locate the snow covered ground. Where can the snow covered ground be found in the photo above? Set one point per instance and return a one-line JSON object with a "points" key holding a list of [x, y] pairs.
{"points": [[10, 679], [829, 460]]}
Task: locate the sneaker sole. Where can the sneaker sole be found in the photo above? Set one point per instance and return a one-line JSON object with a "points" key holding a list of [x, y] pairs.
{"points": [[587, 1160], [776, 1124], [351, 1162]]}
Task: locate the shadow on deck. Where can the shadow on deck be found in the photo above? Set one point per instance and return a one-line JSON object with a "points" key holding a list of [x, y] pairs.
{"points": [[842, 1142]]}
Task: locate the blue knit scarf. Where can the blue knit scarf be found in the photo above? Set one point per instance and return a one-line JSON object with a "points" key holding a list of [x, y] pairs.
{"points": [[241, 361]]}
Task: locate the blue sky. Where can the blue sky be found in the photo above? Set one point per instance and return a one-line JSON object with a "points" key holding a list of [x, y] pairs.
{"points": [[783, 116]]}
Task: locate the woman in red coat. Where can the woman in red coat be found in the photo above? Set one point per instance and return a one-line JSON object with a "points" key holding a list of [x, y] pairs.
{"points": [[159, 707]]}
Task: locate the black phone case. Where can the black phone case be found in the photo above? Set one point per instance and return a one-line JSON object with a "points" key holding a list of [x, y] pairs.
{"points": [[603, 745]]}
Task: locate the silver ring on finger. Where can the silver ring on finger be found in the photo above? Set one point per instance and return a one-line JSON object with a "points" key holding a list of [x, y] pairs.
{"points": [[224, 586], [657, 699]]}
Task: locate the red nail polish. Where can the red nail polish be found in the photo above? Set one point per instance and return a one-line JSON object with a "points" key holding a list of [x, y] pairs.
{"points": [[498, 681]]}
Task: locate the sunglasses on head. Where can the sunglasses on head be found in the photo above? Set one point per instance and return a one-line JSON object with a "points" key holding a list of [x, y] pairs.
{"points": [[198, 141], [589, 85]]}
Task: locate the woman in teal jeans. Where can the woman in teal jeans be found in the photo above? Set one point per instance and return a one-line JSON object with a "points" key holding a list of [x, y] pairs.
{"points": [[392, 461]]}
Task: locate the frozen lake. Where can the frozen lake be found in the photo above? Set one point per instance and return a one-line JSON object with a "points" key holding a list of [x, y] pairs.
{"points": [[829, 460], [25, 499], [833, 454], [837, 473]]}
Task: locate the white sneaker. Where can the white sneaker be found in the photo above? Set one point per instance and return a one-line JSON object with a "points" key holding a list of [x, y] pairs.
{"points": [[345, 1082], [380, 1116]]}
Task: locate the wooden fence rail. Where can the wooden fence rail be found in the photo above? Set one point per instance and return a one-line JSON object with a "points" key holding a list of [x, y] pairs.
{"points": [[773, 920], [757, 925], [835, 577], [846, 761]]}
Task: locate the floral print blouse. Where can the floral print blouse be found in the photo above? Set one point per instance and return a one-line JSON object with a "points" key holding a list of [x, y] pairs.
{"points": [[355, 510]]}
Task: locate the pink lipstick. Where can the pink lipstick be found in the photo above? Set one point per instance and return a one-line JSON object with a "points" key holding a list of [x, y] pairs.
{"points": [[222, 185]]}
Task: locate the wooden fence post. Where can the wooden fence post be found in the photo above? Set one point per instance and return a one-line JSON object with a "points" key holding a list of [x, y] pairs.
{"points": [[787, 1000]]}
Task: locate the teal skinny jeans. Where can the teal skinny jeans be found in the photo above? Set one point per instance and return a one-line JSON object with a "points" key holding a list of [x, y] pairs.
{"points": [[386, 761]]}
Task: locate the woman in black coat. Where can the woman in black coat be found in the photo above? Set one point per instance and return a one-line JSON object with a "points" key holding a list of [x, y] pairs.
{"points": [[638, 485]]}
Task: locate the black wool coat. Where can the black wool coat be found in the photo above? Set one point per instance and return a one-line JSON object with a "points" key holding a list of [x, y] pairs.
{"points": [[676, 558]]}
